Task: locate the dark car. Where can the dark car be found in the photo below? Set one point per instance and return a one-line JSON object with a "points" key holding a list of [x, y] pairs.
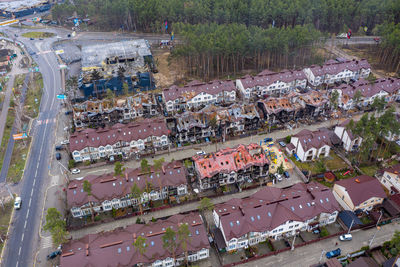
{"points": [[269, 139], [58, 156], [41, 39], [287, 244], [53, 254], [59, 148], [31, 38], [69, 35], [333, 253], [286, 174], [68, 112]]}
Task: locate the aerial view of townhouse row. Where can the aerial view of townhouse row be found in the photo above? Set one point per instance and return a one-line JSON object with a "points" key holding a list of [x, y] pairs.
{"points": [[199, 133]]}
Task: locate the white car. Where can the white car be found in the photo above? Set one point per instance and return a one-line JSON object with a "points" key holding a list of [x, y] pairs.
{"points": [[278, 177], [65, 142], [346, 237], [17, 203], [201, 152], [75, 171]]}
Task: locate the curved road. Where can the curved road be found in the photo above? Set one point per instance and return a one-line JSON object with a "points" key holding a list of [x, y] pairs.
{"points": [[24, 234]]}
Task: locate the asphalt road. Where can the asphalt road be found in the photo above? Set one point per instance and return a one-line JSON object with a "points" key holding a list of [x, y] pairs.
{"points": [[24, 236]]}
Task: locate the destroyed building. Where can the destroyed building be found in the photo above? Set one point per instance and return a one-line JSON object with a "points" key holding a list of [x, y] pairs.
{"points": [[100, 113], [110, 65], [20, 8]]}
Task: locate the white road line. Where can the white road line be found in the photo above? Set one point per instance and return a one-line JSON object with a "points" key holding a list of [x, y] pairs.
{"points": [[32, 192], [30, 200], [36, 172], [34, 181], [27, 214], [22, 239], [17, 264], [25, 223], [19, 251]]}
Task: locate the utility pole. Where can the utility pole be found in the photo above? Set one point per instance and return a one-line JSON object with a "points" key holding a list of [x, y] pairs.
{"points": [[352, 221], [372, 240], [322, 254], [379, 219], [293, 242]]}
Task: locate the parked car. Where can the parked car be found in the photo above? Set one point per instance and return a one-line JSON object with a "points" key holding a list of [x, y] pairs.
{"points": [[201, 152], [41, 39], [17, 203], [58, 156], [316, 231], [282, 144], [59, 148], [75, 171], [53, 254], [65, 142], [333, 253], [346, 237], [286, 174], [31, 38], [68, 112], [278, 177], [268, 139]]}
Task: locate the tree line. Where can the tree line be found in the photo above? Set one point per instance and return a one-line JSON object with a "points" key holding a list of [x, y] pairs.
{"points": [[149, 16], [212, 50], [389, 49]]}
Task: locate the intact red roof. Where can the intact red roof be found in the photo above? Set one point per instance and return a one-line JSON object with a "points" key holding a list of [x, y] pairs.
{"points": [[362, 188], [196, 87], [108, 186], [266, 78], [332, 67], [393, 169], [116, 248], [270, 207], [367, 89], [315, 139], [117, 133], [229, 159]]}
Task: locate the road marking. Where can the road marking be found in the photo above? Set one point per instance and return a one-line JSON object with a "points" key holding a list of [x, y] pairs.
{"points": [[36, 173], [30, 200], [34, 180], [27, 214], [17, 264], [25, 223], [19, 251], [22, 238], [32, 192], [47, 242]]}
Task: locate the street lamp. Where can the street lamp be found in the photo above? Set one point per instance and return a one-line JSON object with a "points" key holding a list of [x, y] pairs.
{"points": [[372, 240], [322, 254]]}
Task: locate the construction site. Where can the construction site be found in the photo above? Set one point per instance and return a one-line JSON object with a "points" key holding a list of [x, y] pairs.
{"points": [[111, 65], [20, 8]]}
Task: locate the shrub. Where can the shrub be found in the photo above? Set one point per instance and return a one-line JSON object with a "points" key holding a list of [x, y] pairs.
{"points": [[393, 251], [97, 218], [288, 138], [71, 164], [114, 212], [138, 221], [153, 219], [324, 232], [87, 163], [365, 248], [270, 245]]}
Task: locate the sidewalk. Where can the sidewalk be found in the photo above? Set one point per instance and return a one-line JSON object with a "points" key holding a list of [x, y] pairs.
{"points": [[162, 213]]}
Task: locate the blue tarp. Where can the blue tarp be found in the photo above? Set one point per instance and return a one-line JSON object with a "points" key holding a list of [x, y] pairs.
{"points": [[347, 216]]}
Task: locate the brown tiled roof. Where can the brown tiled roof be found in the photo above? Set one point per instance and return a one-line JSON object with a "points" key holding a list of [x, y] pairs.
{"points": [[195, 87], [108, 186], [275, 105], [266, 78], [229, 159], [314, 98], [363, 262], [116, 248], [118, 132], [315, 139], [270, 207], [362, 188], [335, 67]]}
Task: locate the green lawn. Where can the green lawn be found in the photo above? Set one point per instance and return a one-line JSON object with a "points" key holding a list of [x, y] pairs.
{"points": [[6, 135], [38, 34], [340, 175], [369, 170], [333, 162], [18, 159], [34, 92], [5, 220]]}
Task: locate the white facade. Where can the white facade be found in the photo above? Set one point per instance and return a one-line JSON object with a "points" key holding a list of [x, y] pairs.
{"points": [[289, 228], [312, 153], [344, 75], [349, 144], [192, 257], [390, 180]]}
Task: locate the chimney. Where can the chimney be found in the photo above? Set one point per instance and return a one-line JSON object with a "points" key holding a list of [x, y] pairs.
{"points": [[241, 210], [134, 237], [163, 169], [87, 250], [126, 176], [87, 135], [357, 181]]}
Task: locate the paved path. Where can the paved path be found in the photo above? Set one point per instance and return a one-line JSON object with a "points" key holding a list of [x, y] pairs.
{"points": [[310, 254]]}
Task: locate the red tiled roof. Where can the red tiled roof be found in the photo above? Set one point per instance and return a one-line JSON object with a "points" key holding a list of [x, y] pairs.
{"points": [[315, 139], [195, 87], [362, 188], [118, 132], [266, 78], [108, 186], [229, 159], [368, 89], [116, 248], [335, 67], [270, 207], [393, 169], [274, 105]]}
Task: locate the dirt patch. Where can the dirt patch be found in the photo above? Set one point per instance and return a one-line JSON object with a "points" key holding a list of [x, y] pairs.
{"points": [[168, 71], [369, 52]]}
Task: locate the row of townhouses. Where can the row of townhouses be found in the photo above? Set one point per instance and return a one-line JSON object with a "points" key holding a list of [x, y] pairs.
{"points": [[387, 88], [115, 192], [273, 213], [116, 248], [100, 113], [120, 139]]}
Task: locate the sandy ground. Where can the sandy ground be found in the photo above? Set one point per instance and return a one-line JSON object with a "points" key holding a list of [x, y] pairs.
{"points": [[168, 72], [280, 158]]}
